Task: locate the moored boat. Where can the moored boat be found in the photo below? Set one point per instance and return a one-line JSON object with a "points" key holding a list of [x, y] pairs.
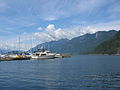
{"points": [[43, 54]]}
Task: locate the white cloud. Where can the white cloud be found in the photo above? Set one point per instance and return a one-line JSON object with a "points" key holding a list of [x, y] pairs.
{"points": [[59, 9], [50, 18], [23, 16], [39, 28], [50, 27], [55, 9], [113, 25], [51, 33]]}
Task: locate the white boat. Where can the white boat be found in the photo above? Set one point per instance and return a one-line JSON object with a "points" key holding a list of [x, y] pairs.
{"points": [[43, 54], [12, 55]]}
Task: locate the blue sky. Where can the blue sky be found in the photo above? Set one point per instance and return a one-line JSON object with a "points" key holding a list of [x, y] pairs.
{"points": [[56, 19]]}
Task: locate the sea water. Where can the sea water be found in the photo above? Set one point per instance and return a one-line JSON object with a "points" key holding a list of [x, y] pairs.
{"points": [[80, 72]]}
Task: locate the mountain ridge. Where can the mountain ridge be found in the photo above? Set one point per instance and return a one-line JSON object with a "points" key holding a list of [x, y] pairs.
{"points": [[81, 44], [111, 46]]}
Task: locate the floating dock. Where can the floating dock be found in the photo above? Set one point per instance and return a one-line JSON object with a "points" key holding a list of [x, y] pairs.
{"points": [[18, 57]]}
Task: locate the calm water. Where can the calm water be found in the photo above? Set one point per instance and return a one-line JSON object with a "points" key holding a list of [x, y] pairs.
{"points": [[75, 73]]}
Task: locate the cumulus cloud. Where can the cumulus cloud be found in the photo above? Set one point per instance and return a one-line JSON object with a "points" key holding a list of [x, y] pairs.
{"points": [[51, 33], [50, 27], [23, 16], [39, 28]]}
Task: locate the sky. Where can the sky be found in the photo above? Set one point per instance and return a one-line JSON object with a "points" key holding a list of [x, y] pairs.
{"points": [[46, 20]]}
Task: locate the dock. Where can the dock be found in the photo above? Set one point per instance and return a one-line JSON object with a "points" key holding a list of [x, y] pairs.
{"points": [[19, 57], [24, 57], [62, 55]]}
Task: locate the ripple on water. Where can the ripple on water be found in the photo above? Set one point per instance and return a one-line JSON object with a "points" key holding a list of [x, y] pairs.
{"points": [[102, 80], [71, 74]]}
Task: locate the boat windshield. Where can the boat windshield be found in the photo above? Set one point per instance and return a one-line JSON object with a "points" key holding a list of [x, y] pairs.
{"points": [[43, 54]]}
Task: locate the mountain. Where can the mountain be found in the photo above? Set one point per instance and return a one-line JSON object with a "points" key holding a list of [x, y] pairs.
{"points": [[3, 51], [81, 44], [111, 46]]}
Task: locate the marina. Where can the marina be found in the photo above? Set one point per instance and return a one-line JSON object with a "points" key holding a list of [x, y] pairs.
{"points": [[38, 55], [21, 51], [31, 58]]}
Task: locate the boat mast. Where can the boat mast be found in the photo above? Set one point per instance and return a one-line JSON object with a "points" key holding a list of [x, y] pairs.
{"points": [[25, 41], [0, 47], [19, 44], [48, 46], [6, 48], [31, 44]]}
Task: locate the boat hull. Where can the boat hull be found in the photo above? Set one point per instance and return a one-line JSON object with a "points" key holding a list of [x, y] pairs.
{"points": [[44, 57]]}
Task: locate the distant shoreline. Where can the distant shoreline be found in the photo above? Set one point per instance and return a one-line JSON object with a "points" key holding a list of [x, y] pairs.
{"points": [[101, 54]]}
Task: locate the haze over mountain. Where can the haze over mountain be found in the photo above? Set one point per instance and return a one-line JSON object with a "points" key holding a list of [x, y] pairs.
{"points": [[81, 44]]}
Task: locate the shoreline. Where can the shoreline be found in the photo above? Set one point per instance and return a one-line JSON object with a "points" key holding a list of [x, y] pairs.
{"points": [[63, 57], [102, 54]]}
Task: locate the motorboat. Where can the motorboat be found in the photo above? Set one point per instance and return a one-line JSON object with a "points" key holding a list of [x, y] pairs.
{"points": [[43, 54]]}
